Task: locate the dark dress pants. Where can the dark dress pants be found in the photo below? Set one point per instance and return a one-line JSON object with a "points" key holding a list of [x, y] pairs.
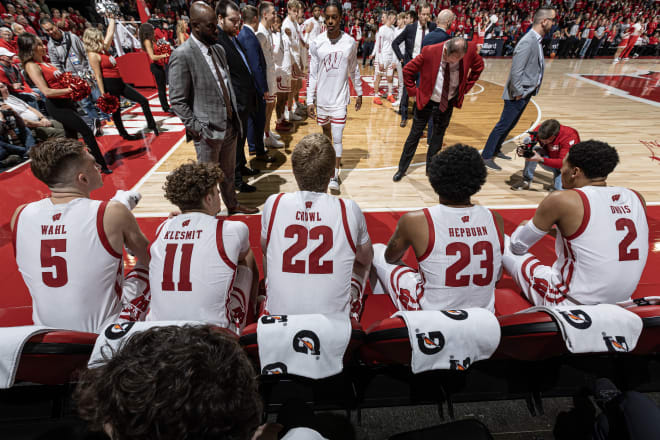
{"points": [[255, 128], [420, 119], [510, 115]]}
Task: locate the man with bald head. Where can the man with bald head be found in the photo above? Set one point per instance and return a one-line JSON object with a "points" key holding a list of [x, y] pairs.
{"points": [[201, 94], [441, 32]]}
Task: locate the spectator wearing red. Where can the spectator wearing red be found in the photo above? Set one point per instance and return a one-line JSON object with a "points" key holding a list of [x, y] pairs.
{"points": [[7, 40]]}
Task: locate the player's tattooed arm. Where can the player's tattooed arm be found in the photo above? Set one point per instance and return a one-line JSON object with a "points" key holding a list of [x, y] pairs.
{"points": [[399, 242]]}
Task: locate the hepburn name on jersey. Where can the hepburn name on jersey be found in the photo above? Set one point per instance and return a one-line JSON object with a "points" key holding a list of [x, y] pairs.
{"points": [[479, 231]]}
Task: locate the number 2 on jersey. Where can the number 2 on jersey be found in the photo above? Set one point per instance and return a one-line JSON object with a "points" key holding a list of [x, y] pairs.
{"points": [[626, 254], [184, 284], [324, 233]]}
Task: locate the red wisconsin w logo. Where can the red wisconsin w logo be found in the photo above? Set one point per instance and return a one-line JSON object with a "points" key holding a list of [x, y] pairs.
{"points": [[185, 223], [308, 205], [332, 61], [56, 217], [616, 197], [465, 218]]}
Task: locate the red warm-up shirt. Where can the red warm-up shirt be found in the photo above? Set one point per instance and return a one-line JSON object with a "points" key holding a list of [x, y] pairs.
{"points": [[558, 148]]}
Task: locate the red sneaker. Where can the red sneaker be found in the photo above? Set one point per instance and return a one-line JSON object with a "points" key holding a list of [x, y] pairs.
{"points": [[377, 101], [391, 98], [283, 126]]}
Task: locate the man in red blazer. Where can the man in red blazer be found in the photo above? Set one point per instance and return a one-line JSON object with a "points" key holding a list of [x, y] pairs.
{"points": [[456, 59]]}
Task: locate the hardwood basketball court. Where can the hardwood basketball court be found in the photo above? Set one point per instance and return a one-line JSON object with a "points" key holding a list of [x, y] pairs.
{"points": [[616, 103]]}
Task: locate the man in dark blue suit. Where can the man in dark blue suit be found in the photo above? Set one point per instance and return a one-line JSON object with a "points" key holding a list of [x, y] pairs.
{"points": [[257, 63], [245, 87], [412, 36], [441, 32]]}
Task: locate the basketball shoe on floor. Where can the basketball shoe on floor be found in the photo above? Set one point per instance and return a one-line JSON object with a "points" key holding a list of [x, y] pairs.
{"points": [[275, 135], [334, 184], [283, 126], [396, 104], [523, 184], [378, 101], [271, 142], [391, 98], [291, 116]]}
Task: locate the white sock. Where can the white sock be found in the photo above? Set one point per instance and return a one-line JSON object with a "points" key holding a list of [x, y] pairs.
{"points": [[336, 173], [389, 88]]}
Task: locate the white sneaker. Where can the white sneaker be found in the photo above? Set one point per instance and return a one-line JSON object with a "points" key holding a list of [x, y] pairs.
{"points": [[616, 60], [626, 59], [294, 117], [271, 142], [334, 184], [396, 103], [129, 199], [274, 135]]}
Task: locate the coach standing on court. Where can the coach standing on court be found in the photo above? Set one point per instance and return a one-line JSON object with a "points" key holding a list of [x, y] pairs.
{"points": [[447, 72], [413, 36], [524, 82], [201, 95]]}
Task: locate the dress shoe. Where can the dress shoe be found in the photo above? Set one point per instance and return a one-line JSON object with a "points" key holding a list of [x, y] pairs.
{"points": [[241, 209], [245, 171], [403, 123], [246, 188], [397, 176], [265, 158], [490, 163], [501, 155]]}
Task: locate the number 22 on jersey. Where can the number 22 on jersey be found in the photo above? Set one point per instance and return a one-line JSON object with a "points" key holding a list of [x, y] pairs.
{"points": [[314, 265]]}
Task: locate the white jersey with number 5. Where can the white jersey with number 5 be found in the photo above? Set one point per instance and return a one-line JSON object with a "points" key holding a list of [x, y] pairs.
{"points": [[603, 260], [73, 274], [463, 259], [192, 269], [311, 240]]}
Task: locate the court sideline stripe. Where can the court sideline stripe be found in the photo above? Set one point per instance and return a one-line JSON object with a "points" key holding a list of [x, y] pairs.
{"points": [[614, 90], [153, 169]]}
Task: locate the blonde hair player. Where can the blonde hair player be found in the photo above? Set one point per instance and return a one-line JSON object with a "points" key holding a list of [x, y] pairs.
{"points": [[333, 59]]}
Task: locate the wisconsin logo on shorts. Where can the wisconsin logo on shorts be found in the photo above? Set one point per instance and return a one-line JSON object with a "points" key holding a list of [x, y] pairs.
{"points": [[456, 365], [431, 343], [458, 315], [274, 368], [577, 318], [119, 330], [273, 319], [616, 343], [307, 342]]}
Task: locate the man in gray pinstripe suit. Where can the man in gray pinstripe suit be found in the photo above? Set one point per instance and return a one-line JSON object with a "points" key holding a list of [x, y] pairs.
{"points": [[201, 95]]}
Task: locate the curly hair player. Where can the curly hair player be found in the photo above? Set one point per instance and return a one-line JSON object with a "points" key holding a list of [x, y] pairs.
{"points": [[601, 235], [69, 247], [458, 244], [201, 266], [333, 59]]}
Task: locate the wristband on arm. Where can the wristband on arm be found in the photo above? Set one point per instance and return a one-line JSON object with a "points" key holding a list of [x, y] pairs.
{"points": [[525, 237]]}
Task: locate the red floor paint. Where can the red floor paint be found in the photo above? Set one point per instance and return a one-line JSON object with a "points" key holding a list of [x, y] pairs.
{"points": [[645, 86]]}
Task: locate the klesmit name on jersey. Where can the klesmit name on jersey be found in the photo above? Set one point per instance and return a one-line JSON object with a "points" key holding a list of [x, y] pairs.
{"points": [[182, 235], [478, 231], [308, 216], [625, 209], [52, 230]]}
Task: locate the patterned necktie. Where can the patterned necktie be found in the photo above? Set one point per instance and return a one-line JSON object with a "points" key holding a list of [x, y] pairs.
{"points": [[446, 79], [225, 92]]}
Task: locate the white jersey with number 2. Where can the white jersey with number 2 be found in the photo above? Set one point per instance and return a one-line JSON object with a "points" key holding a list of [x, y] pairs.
{"points": [[311, 240], [192, 269]]}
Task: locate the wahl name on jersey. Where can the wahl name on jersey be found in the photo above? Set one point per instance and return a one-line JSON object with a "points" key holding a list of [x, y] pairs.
{"points": [[478, 231], [53, 229], [182, 235]]}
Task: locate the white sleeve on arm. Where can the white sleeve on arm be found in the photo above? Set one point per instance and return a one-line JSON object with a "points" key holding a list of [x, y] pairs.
{"points": [[524, 237], [313, 71], [362, 236], [236, 239], [265, 216]]}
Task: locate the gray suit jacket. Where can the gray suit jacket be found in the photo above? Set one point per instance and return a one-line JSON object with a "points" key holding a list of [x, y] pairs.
{"points": [[195, 96], [526, 66]]}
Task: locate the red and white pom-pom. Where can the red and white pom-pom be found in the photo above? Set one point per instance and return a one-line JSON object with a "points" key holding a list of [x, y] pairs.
{"points": [[79, 87], [107, 103], [163, 49]]}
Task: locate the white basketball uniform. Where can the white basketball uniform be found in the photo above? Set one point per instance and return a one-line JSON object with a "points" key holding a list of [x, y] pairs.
{"points": [[195, 274], [332, 64], [601, 262], [395, 59], [295, 49], [311, 240], [383, 48], [459, 269], [265, 37], [282, 59], [74, 275], [310, 36]]}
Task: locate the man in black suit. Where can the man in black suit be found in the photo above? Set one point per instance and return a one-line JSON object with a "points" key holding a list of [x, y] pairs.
{"points": [[244, 84], [412, 35]]}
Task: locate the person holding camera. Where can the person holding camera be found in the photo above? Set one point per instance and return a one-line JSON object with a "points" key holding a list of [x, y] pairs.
{"points": [[554, 140]]}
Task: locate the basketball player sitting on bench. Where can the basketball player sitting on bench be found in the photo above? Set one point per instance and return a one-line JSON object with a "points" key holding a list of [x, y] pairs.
{"points": [[69, 247], [202, 268], [458, 245], [601, 236], [316, 248]]}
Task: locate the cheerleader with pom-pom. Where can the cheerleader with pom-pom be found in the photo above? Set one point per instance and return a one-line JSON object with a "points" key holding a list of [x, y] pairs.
{"points": [[59, 96], [110, 81]]}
